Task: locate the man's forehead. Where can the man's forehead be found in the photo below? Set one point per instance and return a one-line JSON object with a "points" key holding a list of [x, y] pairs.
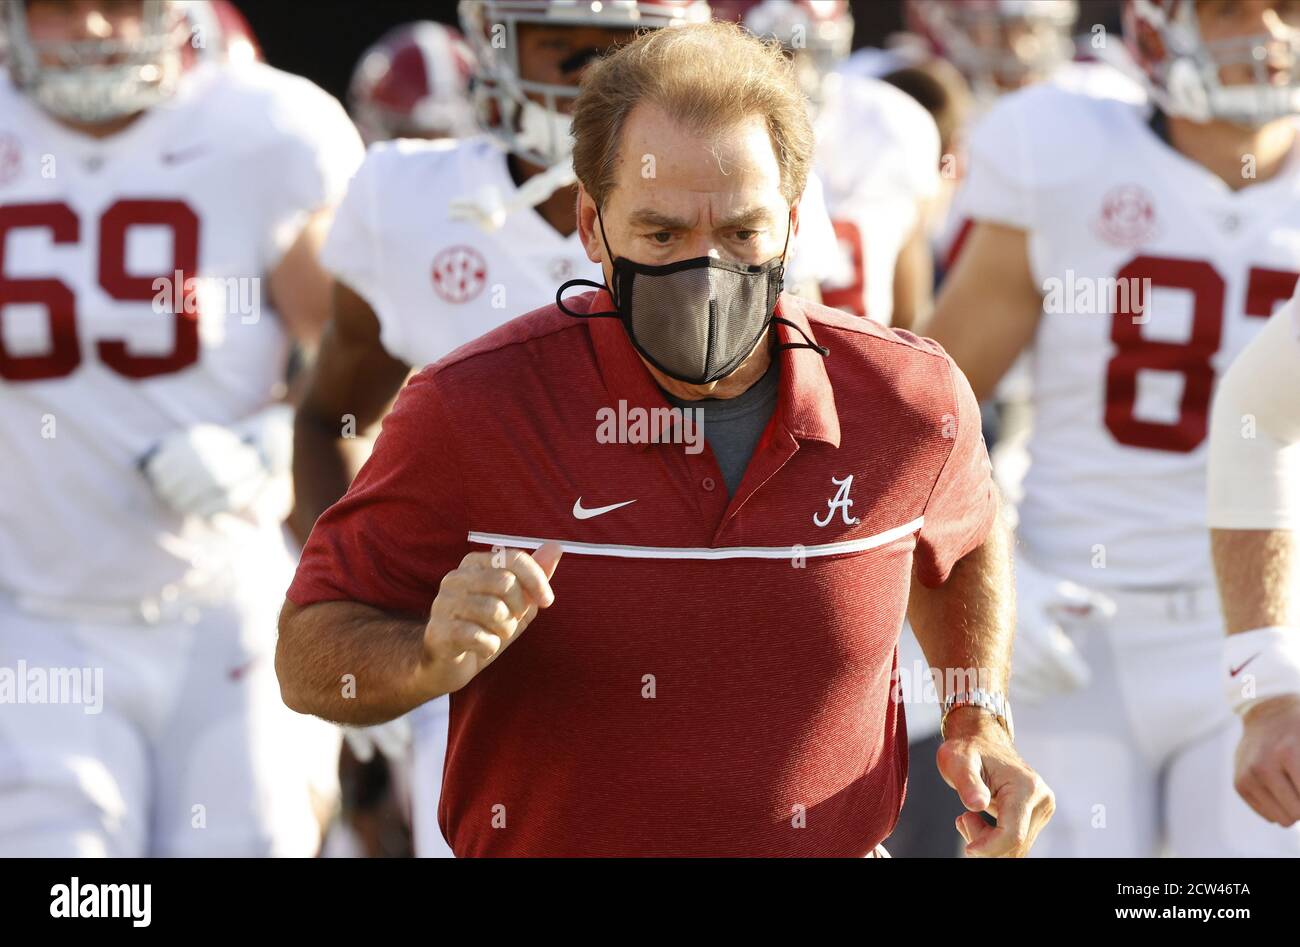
{"points": [[666, 162]]}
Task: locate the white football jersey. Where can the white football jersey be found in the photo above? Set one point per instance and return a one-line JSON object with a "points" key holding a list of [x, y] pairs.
{"points": [[433, 282], [878, 158], [1097, 79], [98, 363], [1155, 275]]}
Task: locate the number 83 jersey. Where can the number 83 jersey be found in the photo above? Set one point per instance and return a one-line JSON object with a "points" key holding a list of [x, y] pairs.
{"points": [[132, 305], [1154, 275]]}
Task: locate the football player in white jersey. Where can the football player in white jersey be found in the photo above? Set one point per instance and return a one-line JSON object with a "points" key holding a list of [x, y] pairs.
{"points": [[146, 197], [438, 242], [1254, 512], [1133, 281]]}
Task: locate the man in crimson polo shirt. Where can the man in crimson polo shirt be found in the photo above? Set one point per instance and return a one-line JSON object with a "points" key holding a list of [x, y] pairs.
{"points": [[708, 670]]}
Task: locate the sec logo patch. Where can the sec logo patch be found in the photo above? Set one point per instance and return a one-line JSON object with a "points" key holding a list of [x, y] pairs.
{"points": [[1127, 217], [459, 274]]}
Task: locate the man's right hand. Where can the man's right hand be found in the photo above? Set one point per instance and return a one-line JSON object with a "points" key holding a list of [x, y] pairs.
{"points": [[482, 606], [1268, 759]]}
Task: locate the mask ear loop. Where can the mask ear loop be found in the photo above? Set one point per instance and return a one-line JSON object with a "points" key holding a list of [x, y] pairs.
{"points": [[808, 343], [559, 301]]}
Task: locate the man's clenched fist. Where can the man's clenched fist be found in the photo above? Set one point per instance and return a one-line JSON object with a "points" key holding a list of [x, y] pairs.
{"points": [[482, 606], [978, 760], [1268, 759]]}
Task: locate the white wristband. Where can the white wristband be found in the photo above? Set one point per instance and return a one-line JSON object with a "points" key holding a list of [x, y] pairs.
{"points": [[1259, 665]]}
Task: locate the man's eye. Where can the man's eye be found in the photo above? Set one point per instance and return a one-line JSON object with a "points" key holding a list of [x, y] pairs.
{"points": [[662, 237], [744, 236]]}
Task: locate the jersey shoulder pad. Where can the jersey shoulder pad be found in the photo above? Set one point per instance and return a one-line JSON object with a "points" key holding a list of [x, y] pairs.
{"points": [[1046, 136], [411, 171], [264, 103], [889, 107], [1100, 79], [886, 135]]}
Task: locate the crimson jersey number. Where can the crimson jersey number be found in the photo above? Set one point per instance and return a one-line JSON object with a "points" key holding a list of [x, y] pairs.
{"points": [[853, 297], [60, 302], [1191, 359]]}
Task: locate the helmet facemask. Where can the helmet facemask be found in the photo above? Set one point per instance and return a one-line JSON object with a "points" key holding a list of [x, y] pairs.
{"points": [[529, 118], [1188, 80], [96, 81], [817, 44], [1000, 45]]}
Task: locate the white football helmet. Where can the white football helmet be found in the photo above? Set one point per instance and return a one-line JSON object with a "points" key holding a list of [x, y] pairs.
{"points": [[997, 44], [413, 83], [817, 33], [538, 131], [98, 80], [1182, 70]]}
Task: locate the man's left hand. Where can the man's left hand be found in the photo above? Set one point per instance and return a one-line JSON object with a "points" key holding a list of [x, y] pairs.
{"points": [[978, 760]]}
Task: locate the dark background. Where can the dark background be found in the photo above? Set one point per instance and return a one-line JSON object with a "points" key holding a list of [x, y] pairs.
{"points": [[322, 39]]}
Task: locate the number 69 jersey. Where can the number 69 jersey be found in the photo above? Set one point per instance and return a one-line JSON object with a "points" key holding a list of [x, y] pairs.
{"points": [[1154, 276], [132, 305]]}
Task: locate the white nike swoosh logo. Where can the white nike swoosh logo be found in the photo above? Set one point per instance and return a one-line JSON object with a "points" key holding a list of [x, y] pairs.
{"points": [[581, 514]]}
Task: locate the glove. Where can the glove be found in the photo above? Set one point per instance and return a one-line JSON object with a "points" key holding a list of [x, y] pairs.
{"points": [[208, 469], [1046, 661], [393, 739]]}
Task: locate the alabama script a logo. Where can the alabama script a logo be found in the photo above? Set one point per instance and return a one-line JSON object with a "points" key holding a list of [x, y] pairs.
{"points": [[840, 502]]}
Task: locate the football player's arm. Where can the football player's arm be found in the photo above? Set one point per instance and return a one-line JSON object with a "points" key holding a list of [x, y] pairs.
{"points": [[914, 278], [243, 468], [1254, 445], [1261, 665], [299, 286], [347, 391], [989, 306]]}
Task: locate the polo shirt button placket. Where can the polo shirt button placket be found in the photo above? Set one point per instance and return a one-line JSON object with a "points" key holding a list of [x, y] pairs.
{"points": [[708, 484]]}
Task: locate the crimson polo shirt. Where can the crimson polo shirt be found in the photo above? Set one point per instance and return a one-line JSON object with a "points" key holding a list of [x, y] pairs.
{"points": [[714, 676]]}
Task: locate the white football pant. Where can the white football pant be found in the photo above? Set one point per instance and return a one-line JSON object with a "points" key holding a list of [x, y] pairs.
{"points": [[190, 751]]}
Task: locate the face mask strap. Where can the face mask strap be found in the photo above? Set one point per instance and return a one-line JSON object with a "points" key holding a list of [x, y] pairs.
{"points": [[559, 302], [807, 343]]}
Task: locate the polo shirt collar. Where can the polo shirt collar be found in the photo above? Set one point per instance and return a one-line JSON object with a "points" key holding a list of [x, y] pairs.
{"points": [[806, 404]]}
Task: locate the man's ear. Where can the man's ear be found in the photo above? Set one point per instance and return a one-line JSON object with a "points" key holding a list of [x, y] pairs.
{"points": [[794, 220], [589, 227]]}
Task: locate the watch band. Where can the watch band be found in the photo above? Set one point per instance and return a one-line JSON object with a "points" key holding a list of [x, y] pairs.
{"points": [[991, 701]]}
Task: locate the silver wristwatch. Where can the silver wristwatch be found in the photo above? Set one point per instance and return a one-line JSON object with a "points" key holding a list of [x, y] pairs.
{"points": [[991, 701]]}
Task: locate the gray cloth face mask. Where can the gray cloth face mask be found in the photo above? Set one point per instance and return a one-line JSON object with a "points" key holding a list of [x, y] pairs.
{"points": [[694, 320]]}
